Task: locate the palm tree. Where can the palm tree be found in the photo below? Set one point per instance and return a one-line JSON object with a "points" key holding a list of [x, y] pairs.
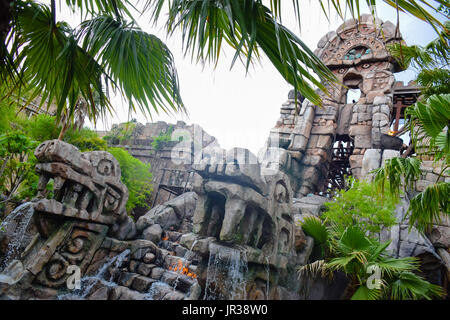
{"points": [[63, 64], [371, 272]]}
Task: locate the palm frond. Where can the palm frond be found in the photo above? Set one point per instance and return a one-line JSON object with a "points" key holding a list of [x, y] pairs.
{"points": [[395, 172], [94, 7], [248, 27], [52, 63], [140, 65], [409, 286], [428, 121], [354, 239], [315, 228], [364, 293], [421, 9], [426, 208], [314, 269], [434, 81], [390, 266]]}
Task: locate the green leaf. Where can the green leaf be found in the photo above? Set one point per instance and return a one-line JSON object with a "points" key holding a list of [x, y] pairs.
{"points": [[364, 293]]}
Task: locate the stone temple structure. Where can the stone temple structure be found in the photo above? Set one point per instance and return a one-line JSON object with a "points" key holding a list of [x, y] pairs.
{"points": [[236, 233], [326, 142]]}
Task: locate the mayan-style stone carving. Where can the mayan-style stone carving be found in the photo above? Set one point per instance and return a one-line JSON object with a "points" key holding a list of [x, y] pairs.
{"points": [[244, 206], [86, 185], [329, 141]]}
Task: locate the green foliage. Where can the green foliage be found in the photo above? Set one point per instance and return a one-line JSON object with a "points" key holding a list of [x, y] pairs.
{"points": [[85, 140], [427, 206], [349, 249], [361, 206], [397, 172], [345, 238], [161, 140], [17, 163], [40, 127], [434, 81], [64, 65], [120, 133], [7, 115], [430, 121], [136, 176], [429, 124]]}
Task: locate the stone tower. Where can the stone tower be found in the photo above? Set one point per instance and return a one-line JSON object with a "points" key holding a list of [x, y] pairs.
{"points": [[325, 143]]}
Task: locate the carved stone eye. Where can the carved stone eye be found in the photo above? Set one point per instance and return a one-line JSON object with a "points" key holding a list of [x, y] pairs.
{"points": [[105, 167], [366, 65], [56, 269], [341, 71]]}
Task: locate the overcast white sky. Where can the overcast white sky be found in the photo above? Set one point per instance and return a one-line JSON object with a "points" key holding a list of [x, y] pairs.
{"points": [[239, 109]]}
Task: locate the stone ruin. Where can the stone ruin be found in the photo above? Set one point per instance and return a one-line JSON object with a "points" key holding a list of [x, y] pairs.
{"points": [[324, 143], [235, 234]]}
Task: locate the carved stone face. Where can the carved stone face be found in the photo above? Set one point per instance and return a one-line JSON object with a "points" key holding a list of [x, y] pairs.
{"points": [[86, 185]]}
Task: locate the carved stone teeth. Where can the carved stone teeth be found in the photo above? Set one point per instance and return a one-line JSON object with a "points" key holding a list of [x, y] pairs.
{"points": [[85, 199], [42, 183], [58, 183]]}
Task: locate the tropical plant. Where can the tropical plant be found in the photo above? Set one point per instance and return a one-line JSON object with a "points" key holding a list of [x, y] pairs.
{"points": [[360, 206], [64, 64], [160, 140], [136, 176], [120, 133], [17, 162], [372, 273], [428, 122]]}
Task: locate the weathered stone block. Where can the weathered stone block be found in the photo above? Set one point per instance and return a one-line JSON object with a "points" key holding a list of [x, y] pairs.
{"points": [[363, 141], [142, 284], [323, 130], [359, 130], [371, 161], [365, 116], [356, 161]]}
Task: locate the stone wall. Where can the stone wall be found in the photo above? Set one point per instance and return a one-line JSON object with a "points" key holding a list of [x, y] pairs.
{"points": [[356, 53], [179, 155]]}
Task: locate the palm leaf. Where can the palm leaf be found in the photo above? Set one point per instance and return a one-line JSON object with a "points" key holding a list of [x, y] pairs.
{"points": [[426, 208], [248, 27], [410, 286], [140, 64], [315, 228], [391, 266], [53, 65], [319, 267], [364, 293], [397, 172], [354, 240]]}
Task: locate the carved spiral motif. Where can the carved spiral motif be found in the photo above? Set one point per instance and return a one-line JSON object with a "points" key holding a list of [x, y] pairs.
{"points": [[105, 167], [56, 269]]}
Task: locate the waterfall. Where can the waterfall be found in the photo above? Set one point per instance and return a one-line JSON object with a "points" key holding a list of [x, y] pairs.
{"points": [[155, 289], [268, 278], [225, 278], [88, 282], [19, 220]]}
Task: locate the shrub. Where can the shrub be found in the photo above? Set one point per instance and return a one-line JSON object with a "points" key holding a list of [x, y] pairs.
{"points": [[160, 141], [361, 205], [136, 176]]}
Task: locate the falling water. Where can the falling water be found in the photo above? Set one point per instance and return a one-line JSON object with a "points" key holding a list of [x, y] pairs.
{"points": [[268, 277], [225, 278], [19, 219], [88, 282], [155, 289]]}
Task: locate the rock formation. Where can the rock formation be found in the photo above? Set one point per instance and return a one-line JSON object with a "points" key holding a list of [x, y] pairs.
{"points": [[236, 233]]}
